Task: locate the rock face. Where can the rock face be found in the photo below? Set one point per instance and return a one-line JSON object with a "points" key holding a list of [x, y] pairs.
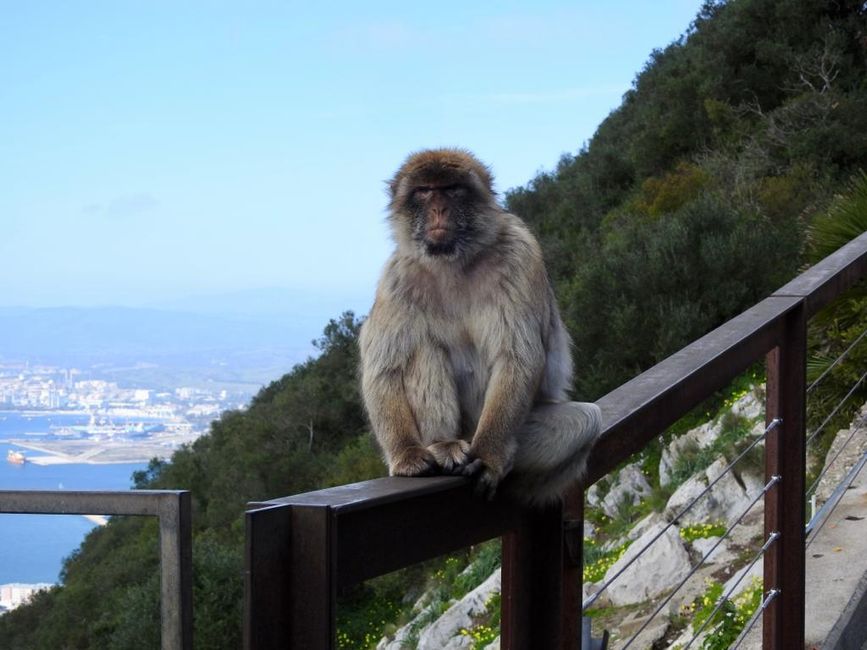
{"points": [[630, 486], [749, 406], [660, 568], [445, 632], [694, 439], [725, 502]]}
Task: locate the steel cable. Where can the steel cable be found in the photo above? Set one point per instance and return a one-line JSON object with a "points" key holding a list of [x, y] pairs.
{"points": [[772, 594], [773, 424], [836, 361], [836, 408], [774, 480], [824, 513], [773, 537], [837, 455]]}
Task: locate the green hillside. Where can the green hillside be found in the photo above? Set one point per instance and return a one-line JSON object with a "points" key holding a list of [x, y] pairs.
{"points": [[690, 203]]}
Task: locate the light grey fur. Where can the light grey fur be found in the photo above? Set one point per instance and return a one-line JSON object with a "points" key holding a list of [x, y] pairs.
{"points": [[470, 347]]}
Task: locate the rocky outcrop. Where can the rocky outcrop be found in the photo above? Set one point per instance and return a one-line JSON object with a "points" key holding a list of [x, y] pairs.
{"points": [[725, 501], [657, 570], [630, 487], [748, 406], [444, 633]]}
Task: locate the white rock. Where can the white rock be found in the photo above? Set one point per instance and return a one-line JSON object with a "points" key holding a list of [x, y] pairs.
{"points": [[633, 622], [593, 496], [493, 645], [589, 530], [749, 406], [650, 521], [725, 502], [588, 589], [659, 568], [720, 555], [400, 640], [630, 486], [694, 439], [445, 632]]}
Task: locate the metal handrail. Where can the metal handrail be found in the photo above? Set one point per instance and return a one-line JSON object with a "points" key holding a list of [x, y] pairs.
{"points": [[172, 507], [301, 549]]}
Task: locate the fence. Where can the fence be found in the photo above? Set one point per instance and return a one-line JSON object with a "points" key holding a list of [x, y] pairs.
{"points": [[302, 550], [172, 507]]}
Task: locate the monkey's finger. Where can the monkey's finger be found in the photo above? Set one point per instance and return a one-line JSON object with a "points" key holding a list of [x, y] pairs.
{"points": [[486, 485], [473, 467]]}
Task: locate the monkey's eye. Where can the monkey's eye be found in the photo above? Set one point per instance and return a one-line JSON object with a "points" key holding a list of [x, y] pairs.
{"points": [[456, 191], [422, 192]]}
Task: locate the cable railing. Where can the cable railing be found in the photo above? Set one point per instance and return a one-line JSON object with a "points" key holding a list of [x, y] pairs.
{"points": [[822, 515], [770, 596], [836, 409], [815, 524], [677, 518], [303, 550], [836, 361], [775, 535], [772, 538], [811, 529]]}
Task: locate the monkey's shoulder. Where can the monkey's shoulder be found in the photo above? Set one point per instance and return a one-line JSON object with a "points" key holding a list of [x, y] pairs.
{"points": [[516, 246]]}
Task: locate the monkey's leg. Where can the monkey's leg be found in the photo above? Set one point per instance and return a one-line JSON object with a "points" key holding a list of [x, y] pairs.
{"points": [[432, 395], [552, 450]]}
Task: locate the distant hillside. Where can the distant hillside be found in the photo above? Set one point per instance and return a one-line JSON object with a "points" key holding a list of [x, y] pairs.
{"points": [[158, 348]]}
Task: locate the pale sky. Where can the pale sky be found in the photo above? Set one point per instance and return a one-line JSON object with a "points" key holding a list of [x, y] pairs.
{"points": [[151, 149]]}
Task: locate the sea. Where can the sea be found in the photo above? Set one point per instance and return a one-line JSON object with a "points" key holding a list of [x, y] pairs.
{"points": [[32, 547]]}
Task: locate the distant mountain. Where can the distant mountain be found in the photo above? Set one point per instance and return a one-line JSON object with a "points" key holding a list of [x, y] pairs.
{"points": [[299, 305], [118, 335], [242, 338]]}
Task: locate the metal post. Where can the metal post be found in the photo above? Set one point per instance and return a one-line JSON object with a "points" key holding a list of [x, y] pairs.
{"points": [[573, 568], [532, 587], [176, 571], [785, 456]]}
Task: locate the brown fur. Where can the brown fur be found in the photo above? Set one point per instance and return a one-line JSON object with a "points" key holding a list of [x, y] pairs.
{"points": [[465, 361]]}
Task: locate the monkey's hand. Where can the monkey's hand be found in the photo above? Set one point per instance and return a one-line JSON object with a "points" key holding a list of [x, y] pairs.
{"points": [[413, 461], [489, 464], [451, 455]]}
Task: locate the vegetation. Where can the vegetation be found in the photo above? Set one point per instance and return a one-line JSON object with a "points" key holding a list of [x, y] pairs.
{"points": [[838, 329], [728, 617], [733, 153]]}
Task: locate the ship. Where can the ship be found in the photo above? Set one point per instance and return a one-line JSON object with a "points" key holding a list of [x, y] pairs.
{"points": [[15, 457]]}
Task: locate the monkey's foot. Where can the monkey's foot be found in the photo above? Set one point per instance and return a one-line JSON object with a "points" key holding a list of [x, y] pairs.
{"points": [[487, 479], [414, 461], [451, 455]]}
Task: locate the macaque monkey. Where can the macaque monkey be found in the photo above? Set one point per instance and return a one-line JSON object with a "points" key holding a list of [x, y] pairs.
{"points": [[465, 362]]}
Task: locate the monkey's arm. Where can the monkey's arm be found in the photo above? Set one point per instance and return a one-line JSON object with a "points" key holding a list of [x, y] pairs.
{"points": [[395, 426], [386, 350], [508, 399]]}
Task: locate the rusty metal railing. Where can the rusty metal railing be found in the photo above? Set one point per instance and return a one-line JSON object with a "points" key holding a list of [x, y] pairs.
{"points": [[302, 549], [172, 507]]}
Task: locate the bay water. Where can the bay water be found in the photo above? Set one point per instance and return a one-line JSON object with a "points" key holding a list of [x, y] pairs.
{"points": [[32, 547]]}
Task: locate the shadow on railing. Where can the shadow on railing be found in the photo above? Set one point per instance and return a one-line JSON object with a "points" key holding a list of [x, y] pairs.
{"points": [[172, 507], [302, 549]]}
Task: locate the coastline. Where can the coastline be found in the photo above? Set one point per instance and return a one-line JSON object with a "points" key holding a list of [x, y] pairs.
{"points": [[91, 455]]}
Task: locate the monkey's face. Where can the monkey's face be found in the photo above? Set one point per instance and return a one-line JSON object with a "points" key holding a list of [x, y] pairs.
{"points": [[443, 204], [443, 216]]}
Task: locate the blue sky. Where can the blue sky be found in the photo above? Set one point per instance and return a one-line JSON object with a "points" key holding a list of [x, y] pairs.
{"points": [[152, 150]]}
